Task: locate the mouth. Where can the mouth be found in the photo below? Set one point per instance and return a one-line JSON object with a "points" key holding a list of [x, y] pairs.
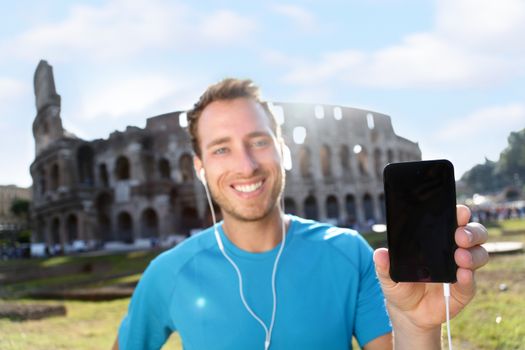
{"points": [[248, 188]]}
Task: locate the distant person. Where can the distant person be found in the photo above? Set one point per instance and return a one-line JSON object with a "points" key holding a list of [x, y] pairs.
{"points": [[262, 279]]}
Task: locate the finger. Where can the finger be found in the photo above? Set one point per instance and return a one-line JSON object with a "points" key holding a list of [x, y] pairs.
{"points": [[465, 287], [472, 258], [471, 235], [463, 214], [382, 263]]}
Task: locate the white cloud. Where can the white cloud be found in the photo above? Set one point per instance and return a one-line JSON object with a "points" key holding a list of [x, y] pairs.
{"points": [[485, 123], [483, 24], [112, 105], [137, 95], [426, 60], [473, 43], [467, 140], [225, 27], [116, 99], [298, 15], [421, 60], [331, 65], [121, 28]]}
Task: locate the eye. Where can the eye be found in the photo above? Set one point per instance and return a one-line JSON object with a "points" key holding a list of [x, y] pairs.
{"points": [[220, 150], [259, 143]]}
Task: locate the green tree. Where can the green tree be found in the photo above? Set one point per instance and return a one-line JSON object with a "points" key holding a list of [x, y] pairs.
{"points": [[20, 208], [511, 164], [508, 170], [483, 178]]}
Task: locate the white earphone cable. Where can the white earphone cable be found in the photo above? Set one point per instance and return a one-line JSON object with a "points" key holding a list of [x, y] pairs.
{"points": [[267, 331], [446, 293]]}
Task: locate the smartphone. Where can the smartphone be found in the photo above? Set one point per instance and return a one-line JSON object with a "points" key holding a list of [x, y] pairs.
{"points": [[421, 220]]}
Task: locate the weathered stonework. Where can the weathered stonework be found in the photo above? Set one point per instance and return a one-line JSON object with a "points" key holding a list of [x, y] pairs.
{"points": [[139, 185]]}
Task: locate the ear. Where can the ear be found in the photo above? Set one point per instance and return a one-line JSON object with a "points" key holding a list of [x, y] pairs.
{"points": [[286, 157], [197, 166]]}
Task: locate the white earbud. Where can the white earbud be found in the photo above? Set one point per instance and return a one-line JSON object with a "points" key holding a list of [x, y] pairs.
{"points": [[202, 176], [287, 157]]}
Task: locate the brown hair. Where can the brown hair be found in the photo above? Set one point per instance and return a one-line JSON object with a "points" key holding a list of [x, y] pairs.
{"points": [[227, 89]]}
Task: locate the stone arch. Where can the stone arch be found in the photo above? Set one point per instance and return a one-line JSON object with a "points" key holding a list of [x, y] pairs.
{"points": [[42, 181], [311, 211], [186, 168], [103, 204], [174, 195], [40, 227], [390, 155], [72, 228], [290, 206], [326, 164], [382, 207], [378, 163], [164, 168], [54, 177], [147, 165], [351, 210], [104, 228], [125, 227], [305, 160], [55, 231], [122, 168], [147, 143], [103, 175], [332, 207], [368, 207], [362, 158], [189, 219], [149, 223], [344, 155], [85, 165]]}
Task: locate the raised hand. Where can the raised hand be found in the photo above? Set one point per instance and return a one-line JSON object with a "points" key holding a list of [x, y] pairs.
{"points": [[418, 309]]}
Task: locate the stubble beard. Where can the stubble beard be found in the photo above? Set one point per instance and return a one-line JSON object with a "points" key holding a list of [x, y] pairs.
{"points": [[254, 213]]}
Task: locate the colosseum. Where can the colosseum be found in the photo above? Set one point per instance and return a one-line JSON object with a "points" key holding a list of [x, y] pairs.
{"points": [[138, 186]]}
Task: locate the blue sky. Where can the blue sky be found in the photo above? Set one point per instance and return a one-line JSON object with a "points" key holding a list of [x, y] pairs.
{"points": [[450, 73]]}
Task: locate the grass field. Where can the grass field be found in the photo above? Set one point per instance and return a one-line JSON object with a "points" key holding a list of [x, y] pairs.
{"points": [[494, 320]]}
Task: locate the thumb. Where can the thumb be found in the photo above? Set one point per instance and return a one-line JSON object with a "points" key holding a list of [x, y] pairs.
{"points": [[382, 262], [403, 296]]}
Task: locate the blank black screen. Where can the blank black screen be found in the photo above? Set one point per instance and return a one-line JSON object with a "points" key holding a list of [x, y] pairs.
{"points": [[421, 220]]}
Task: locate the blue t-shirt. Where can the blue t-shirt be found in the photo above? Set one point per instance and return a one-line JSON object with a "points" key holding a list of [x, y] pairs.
{"points": [[327, 291]]}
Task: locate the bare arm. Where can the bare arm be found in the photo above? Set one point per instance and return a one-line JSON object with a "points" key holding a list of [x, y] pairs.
{"points": [[383, 342], [115, 345]]}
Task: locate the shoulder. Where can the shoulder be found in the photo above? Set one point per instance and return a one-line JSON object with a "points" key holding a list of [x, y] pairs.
{"points": [[174, 259], [347, 242]]}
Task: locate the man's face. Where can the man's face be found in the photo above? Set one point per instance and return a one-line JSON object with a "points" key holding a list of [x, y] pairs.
{"points": [[241, 157]]}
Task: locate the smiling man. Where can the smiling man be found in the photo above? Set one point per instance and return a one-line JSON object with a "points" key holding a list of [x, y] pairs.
{"points": [[262, 279]]}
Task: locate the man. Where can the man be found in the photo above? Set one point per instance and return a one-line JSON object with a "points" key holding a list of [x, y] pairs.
{"points": [[263, 279]]}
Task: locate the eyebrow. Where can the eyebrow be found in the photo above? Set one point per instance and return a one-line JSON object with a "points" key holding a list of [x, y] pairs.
{"points": [[259, 134], [218, 142], [227, 139]]}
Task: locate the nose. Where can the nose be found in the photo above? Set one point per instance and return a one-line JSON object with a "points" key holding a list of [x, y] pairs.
{"points": [[246, 163]]}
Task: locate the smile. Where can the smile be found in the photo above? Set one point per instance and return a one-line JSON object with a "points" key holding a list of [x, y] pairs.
{"points": [[248, 188]]}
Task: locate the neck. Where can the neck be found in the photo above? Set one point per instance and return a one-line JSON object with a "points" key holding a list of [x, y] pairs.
{"points": [[256, 236]]}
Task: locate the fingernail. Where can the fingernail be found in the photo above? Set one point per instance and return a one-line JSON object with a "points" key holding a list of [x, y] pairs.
{"points": [[469, 235]]}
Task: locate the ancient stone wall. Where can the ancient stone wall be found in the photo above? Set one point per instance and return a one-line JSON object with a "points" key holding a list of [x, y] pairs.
{"points": [[138, 186]]}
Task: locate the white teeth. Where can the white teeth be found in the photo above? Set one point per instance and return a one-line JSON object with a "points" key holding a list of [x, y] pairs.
{"points": [[248, 188]]}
